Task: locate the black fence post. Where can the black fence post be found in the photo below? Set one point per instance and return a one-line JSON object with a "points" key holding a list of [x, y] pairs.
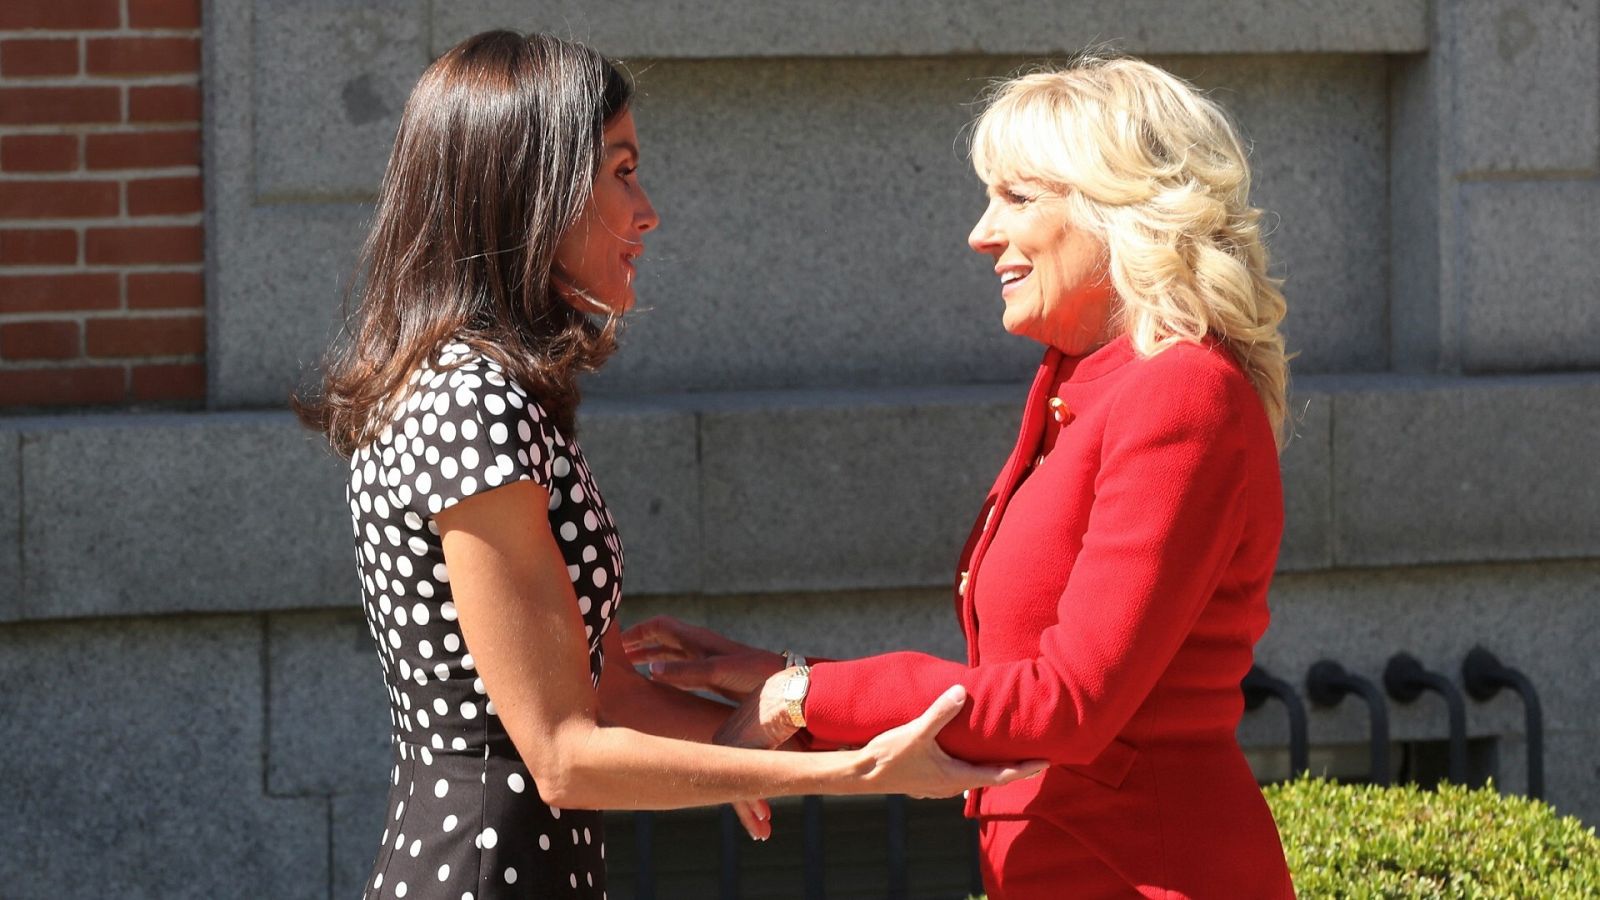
{"points": [[1484, 675], [898, 870], [731, 829], [644, 836], [815, 882], [1405, 679], [1257, 685], [1327, 683]]}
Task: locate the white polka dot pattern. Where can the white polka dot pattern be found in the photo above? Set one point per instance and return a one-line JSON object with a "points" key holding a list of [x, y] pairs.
{"points": [[464, 810]]}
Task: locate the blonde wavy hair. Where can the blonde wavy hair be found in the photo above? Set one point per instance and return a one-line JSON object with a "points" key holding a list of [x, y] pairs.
{"points": [[1158, 172]]}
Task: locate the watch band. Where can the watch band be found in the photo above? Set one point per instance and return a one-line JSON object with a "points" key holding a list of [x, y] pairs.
{"points": [[794, 695], [792, 659]]}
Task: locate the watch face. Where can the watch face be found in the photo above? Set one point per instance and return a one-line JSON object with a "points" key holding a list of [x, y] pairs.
{"points": [[795, 688]]}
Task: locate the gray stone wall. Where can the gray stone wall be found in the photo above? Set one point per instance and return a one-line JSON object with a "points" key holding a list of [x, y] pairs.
{"points": [[817, 392]]}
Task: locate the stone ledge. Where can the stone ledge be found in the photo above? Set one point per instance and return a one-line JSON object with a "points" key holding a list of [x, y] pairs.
{"points": [[730, 28], [1435, 470], [774, 491]]}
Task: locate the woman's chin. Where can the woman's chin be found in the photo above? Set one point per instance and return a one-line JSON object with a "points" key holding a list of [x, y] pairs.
{"points": [[602, 307], [1021, 324]]}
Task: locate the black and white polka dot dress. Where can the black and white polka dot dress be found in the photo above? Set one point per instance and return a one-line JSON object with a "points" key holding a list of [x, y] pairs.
{"points": [[465, 821]]}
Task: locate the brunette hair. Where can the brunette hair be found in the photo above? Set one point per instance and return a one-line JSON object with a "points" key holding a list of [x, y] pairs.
{"points": [[1157, 170], [494, 161]]}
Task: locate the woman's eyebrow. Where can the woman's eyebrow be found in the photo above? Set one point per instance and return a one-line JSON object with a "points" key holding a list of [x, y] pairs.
{"points": [[623, 146]]}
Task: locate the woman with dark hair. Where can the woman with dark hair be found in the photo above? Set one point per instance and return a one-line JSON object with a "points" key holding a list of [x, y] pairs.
{"points": [[501, 254]]}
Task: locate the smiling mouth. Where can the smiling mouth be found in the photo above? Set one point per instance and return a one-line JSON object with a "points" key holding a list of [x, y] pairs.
{"points": [[1010, 278]]}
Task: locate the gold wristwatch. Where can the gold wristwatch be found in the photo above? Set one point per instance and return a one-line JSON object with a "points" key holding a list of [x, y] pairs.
{"points": [[794, 695]]}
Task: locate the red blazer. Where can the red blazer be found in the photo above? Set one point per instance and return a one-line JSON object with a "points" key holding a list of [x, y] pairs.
{"points": [[1111, 594]]}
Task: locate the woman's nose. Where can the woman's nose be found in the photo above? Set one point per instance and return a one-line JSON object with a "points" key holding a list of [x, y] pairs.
{"points": [[645, 216], [983, 238]]}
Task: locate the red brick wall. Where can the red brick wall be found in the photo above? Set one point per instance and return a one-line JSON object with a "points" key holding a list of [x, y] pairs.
{"points": [[101, 250]]}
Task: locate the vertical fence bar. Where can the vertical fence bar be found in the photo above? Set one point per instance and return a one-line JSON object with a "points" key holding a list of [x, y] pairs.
{"points": [[898, 870], [644, 838], [1257, 685], [729, 879], [1484, 675], [1327, 683], [812, 853], [974, 859]]}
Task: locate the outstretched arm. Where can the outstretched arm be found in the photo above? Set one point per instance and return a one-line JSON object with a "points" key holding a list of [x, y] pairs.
{"points": [[520, 620], [1169, 511]]}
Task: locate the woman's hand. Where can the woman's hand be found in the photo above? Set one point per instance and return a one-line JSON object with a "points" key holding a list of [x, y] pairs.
{"points": [[692, 658], [907, 759], [761, 722], [756, 817]]}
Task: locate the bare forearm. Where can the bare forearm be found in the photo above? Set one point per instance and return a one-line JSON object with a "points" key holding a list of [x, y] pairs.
{"points": [[613, 767], [665, 711]]}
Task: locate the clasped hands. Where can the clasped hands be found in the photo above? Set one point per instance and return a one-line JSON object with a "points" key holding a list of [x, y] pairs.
{"points": [[692, 658]]}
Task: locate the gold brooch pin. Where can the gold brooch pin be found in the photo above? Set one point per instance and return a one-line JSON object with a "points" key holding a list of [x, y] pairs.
{"points": [[1058, 410]]}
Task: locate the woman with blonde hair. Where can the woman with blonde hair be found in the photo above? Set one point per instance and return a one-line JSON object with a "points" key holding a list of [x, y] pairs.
{"points": [[1115, 583]]}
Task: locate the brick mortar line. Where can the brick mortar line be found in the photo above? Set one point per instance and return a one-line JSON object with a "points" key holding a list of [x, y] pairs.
{"points": [[146, 268], [56, 34], [121, 79], [100, 268], [156, 220], [93, 175], [86, 128], [97, 221], [95, 362], [120, 314], [89, 176]]}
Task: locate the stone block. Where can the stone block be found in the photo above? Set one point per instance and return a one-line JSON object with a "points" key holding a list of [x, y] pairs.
{"points": [[1466, 469], [864, 278], [133, 760], [170, 513], [644, 457], [275, 297], [815, 216], [330, 81], [357, 827], [328, 722], [1530, 275], [1317, 128], [1525, 85], [847, 490], [10, 513], [727, 28], [1307, 482], [1572, 780]]}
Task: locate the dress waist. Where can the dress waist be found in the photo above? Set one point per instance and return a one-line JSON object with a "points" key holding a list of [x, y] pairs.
{"points": [[495, 747]]}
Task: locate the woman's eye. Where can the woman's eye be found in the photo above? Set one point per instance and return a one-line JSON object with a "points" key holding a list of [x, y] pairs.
{"points": [[627, 172], [1015, 198]]}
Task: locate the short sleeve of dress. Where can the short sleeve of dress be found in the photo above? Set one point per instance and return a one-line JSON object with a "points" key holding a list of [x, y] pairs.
{"points": [[467, 428]]}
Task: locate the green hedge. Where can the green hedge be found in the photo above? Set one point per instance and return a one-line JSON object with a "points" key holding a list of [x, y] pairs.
{"points": [[1364, 841]]}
